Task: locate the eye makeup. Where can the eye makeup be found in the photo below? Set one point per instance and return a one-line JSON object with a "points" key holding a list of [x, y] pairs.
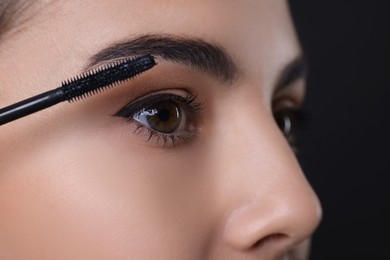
{"points": [[169, 119]]}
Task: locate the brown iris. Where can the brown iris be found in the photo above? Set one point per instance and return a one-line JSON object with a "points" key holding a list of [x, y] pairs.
{"points": [[164, 116]]}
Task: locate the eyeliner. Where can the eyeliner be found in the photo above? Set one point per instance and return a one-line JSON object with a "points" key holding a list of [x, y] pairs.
{"points": [[79, 87]]}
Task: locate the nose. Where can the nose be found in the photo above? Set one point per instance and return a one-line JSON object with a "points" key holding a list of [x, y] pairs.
{"points": [[268, 206]]}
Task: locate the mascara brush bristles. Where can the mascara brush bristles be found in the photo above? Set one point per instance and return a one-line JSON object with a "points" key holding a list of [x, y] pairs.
{"points": [[105, 77]]}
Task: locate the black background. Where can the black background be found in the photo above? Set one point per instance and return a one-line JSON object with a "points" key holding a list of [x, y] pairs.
{"points": [[344, 148]]}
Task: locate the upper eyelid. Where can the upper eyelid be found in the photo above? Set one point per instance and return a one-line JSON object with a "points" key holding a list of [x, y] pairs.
{"points": [[293, 93], [139, 104]]}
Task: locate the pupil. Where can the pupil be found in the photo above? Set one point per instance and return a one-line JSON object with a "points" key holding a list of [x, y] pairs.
{"points": [[163, 115]]}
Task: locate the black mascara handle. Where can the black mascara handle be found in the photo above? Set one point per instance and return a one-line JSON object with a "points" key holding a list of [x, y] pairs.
{"points": [[31, 105]]}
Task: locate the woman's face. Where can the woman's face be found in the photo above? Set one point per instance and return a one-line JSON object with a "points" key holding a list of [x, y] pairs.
{"points": [[185, 161]]}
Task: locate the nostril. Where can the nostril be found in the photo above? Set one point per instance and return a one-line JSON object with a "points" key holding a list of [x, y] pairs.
{"points": [[274, 238]]}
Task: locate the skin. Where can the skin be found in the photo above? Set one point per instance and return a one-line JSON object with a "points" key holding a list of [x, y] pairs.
{"points": [[77, 183]]}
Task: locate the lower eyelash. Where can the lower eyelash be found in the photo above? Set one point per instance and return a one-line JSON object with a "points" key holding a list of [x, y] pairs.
{"points": [[164, 140]]}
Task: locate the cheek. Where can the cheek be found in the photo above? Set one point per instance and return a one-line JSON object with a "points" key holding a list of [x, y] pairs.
{"points": [[61, 202], [89, 196]]}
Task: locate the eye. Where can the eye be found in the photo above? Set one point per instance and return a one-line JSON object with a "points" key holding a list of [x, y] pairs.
{"points": [[164, 117], [287, 120], [168, 119]]}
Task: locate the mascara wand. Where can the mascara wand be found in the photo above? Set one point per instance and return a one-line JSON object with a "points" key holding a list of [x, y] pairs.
{"points": [[87, 84]]}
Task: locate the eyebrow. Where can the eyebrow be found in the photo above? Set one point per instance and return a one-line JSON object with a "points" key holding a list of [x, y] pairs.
{"points": [[196, 53], [193, 52], [295, 70]]}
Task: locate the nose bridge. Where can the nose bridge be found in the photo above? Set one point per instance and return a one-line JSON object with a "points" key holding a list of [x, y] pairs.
{"points": [[263, 190]]}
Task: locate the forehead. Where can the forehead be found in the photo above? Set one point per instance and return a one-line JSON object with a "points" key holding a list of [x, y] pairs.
{"points": [[247, 28]]}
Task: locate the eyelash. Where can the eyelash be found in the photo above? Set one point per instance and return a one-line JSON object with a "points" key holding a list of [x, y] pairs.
{"points": [[186, 103]]}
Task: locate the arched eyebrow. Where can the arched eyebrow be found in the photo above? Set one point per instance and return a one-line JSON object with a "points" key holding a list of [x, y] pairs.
{"points": [[196, 53], [207, 57]]}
